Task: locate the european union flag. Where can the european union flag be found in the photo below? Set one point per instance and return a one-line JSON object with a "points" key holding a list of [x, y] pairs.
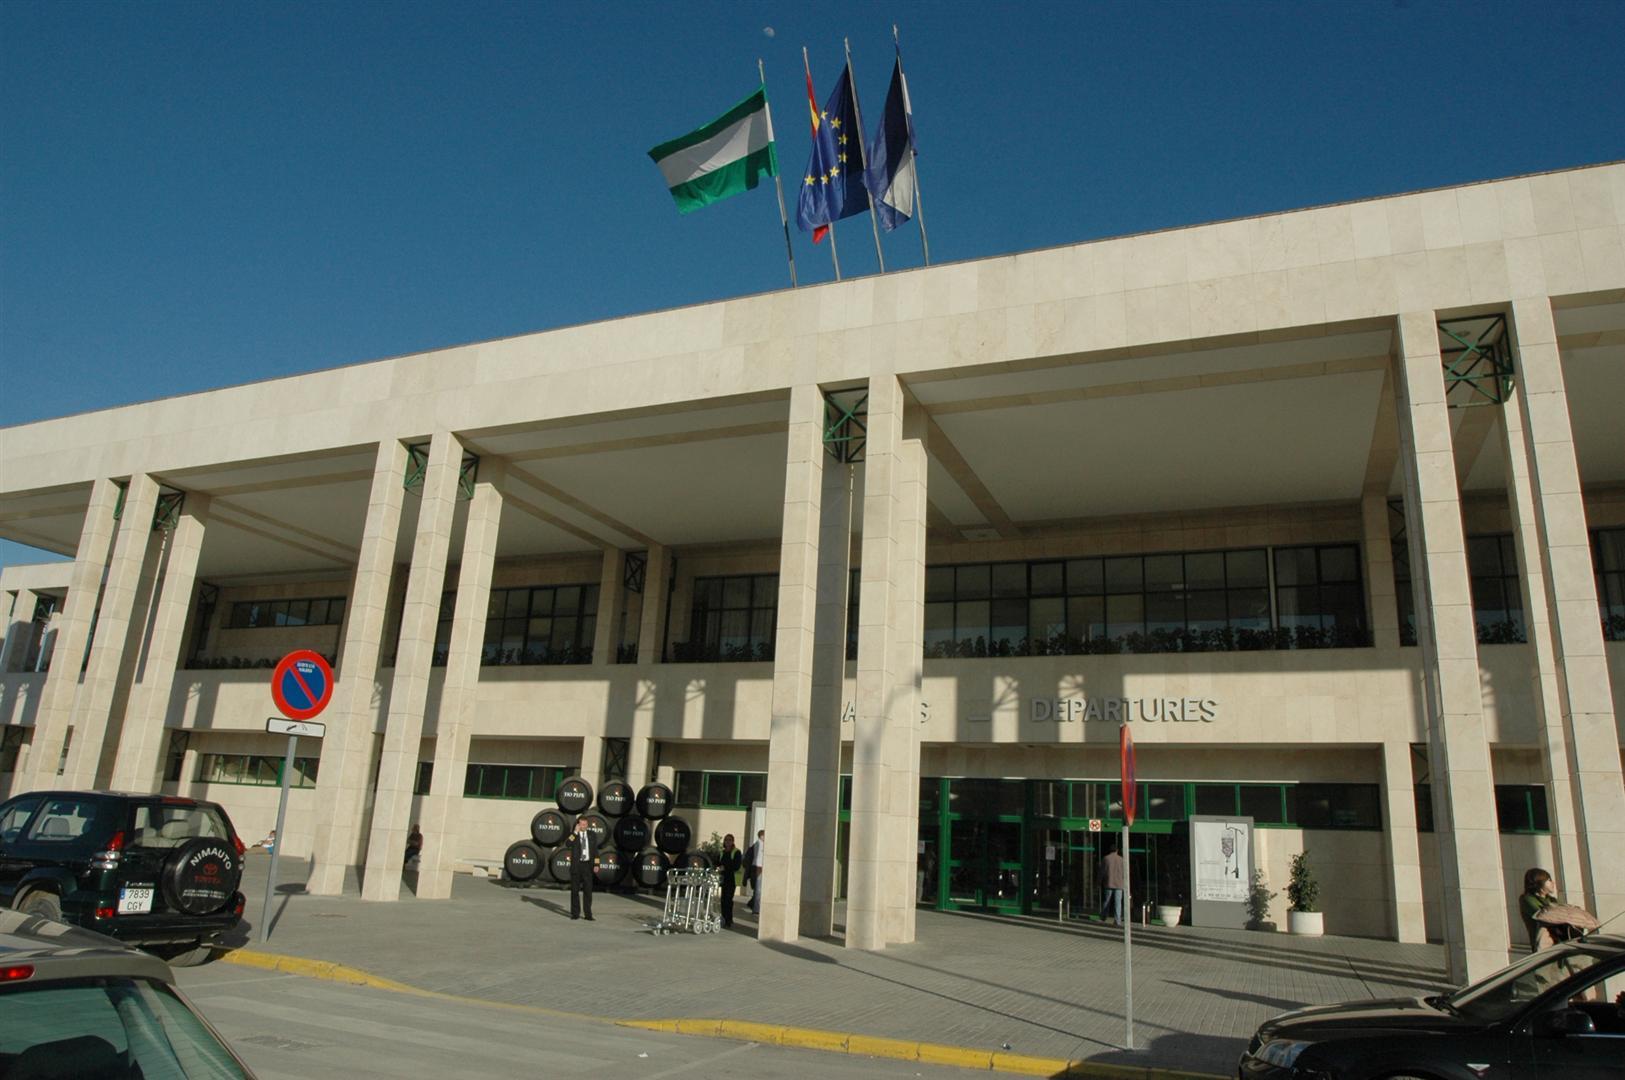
{"points": [[832, 187]]}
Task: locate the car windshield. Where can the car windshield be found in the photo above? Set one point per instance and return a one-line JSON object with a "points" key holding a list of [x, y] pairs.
{"points": [[108, 1027], [168, 825], [1505, 994]]}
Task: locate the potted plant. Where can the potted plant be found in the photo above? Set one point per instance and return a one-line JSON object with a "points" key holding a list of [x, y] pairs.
{"points": [[1258, 903], [1302, 890], [1169, 914]]}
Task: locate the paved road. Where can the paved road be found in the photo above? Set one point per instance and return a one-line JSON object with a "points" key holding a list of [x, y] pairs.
{"points": [[286, 1026]]}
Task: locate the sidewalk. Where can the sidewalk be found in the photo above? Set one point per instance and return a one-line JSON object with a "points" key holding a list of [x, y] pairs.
{"points": [[1025, 985]]}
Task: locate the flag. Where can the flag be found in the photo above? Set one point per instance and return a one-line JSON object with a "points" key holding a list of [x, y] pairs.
{"points": [[830, 190], [729, 155], [890, 177]]}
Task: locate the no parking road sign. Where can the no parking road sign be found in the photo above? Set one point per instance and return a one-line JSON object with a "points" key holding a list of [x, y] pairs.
{"points": [[302, 685]]}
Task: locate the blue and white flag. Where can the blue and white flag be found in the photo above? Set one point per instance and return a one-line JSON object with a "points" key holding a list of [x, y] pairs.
{"points": [[890, 176], [832, 187]]}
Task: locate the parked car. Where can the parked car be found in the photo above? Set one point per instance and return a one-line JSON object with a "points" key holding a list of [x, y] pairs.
{"points": [[83, 1005], [152, 870], [1558, 1014]]}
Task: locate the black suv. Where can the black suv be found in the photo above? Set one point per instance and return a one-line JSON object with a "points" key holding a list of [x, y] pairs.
{"points": [[152, 870]]}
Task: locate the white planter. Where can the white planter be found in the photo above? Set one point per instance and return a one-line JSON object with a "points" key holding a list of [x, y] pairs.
{"points": [[1306, 923], [1169, 914]]}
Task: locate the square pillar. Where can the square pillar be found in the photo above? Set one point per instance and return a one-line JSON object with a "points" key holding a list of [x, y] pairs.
{"points": [[19, 630], [606, 639], [656, 593], [93, 709], [414, 656], [1379, 570], [1583, 692], [441, 808], [823, 795], [793, 668], [141, 741], [1404, 856], [341, 788], [884, 746], [1476, 933], [905, 714]]}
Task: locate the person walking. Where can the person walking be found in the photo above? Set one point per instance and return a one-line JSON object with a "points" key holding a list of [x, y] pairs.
{"points": [[729, 863], [756, 861], [1111, 873], [583, 857], [414, 844]]}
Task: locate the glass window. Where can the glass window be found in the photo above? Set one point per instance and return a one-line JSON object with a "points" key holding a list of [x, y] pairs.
{"points": [[257, 614], [722, 789], [63, 820], [1521, 808], [1164, 573], [1124, 575], [939, 583], [1497, 593], [1264, 803], [689, 785], [541, 625], [1048, 579], [1215, 798], [738, 628], [1010, 579], [752, 788], [1164, 802], [1338, 806], [973, 582], [1246, 568], [1084, 577]]}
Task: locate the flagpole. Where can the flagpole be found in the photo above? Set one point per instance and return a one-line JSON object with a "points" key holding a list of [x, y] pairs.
{"points": [[863, 154], [784, 222], [919, 204], [812, 104]]}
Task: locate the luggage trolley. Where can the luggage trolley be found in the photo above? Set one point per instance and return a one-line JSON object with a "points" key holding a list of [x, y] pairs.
{"points": [[693, 903]]}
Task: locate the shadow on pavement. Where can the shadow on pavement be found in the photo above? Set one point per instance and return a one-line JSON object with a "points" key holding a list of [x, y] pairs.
{"points": [[1178, 1046], [796, 952], [546, 905], [1236, 995]]}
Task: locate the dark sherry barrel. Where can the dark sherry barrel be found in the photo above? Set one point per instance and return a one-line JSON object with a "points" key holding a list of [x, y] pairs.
{"points": [[632, 834], [655, 801], [616, 799], [523, 861], [575, 795], [673, 836], [611, 867], [558, 864], [650, 869], [598, 825], [550, 827], [693, 860]]}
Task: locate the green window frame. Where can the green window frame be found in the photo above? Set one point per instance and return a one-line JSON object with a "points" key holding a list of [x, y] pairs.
{"points": [[1520, 809], [282, 614], [501, 780], [698, 789], [255, 770]]}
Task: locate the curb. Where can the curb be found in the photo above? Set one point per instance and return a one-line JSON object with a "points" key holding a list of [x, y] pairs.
{"points": [[839, 1042]]}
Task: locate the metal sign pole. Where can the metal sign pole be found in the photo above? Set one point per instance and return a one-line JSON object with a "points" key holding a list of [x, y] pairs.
{"points": [[276, 848], [1128, 942]]}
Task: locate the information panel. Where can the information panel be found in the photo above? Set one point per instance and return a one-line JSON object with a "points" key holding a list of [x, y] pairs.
{"points": [[1221, 870]]}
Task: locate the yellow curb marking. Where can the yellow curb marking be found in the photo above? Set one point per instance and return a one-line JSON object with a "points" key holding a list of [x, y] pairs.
{"points": [[839, 1042]]}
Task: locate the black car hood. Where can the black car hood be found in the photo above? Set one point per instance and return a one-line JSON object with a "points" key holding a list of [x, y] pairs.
{"points": [[1365, 1018]]}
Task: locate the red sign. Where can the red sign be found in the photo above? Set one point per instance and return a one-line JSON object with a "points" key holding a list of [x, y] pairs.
{"points": [[302, 684], [1131, 790]]}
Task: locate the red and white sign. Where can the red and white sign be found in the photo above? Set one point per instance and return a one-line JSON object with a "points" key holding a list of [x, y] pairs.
{"points": [[1131, 790], [302, 684]]}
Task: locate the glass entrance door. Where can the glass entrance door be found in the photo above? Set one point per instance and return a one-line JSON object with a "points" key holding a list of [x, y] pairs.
{"points": [[984, 866]]}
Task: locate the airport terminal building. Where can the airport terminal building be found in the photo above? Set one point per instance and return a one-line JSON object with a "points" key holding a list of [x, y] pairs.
{"points": [[1327, 506]]}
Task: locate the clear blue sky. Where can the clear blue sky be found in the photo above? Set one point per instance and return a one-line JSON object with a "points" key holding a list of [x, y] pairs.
{"points": [[200, 194]]}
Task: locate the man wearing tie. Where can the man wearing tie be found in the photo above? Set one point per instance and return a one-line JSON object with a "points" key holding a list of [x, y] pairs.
{"points": [[583, 857]]}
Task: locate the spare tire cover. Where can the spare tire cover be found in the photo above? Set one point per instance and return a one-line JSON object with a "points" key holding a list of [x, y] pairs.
{"points": [[523, 861], [654, 801], [631, 834], [575, 795], [616, 798], [549, 827], [673, 836], [201, 875]]}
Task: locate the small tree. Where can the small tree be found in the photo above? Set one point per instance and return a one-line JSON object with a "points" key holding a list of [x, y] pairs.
{"points": [[713, 848], [1258, 901], [1302, 890]]}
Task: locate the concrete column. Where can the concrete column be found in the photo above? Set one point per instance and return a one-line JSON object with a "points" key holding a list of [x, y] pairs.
{"points": [[640, 746], [1379, 570], [793, 668], [1579, 676], [1404, 858], [823, 797], [19, 630], [409, 694], [656, 592], [341, 790], [1476, 933], [55, 714], [904, 714], [141, 741], [871, 848], [442, 807], [611, 588], [92, 710]]}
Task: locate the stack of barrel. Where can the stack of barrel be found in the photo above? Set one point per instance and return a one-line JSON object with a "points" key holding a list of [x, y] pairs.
{"points": [[639, 839]]}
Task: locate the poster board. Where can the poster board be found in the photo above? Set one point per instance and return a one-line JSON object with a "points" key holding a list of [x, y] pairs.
{"points": [[1222, 861]]}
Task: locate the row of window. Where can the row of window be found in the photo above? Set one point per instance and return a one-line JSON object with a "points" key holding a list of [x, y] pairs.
{"points": [[733, 618], [260, 614], [1519, 808], [552, 624], [720, 790], [255, 770]]}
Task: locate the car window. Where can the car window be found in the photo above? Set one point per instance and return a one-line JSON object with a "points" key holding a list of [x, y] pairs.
{"points": [[63, 820], [1604, 1000], [14, 817], [1507, 992], [168, 825], [109, 1027]]}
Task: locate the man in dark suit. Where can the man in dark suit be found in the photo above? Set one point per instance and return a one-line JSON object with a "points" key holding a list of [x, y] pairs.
{"points": [[730, 862], [583, 857]]}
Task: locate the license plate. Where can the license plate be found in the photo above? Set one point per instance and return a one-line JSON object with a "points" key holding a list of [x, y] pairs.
{"points": [[134, 901]]}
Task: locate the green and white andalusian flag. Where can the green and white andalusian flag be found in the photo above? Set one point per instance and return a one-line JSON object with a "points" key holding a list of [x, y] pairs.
{"points": [[729, 155]]}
